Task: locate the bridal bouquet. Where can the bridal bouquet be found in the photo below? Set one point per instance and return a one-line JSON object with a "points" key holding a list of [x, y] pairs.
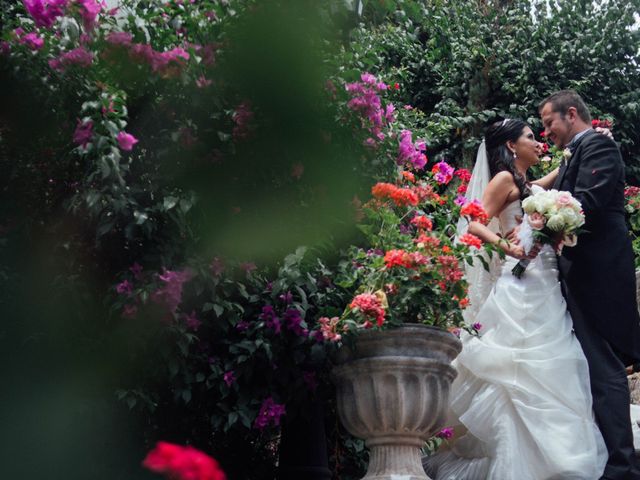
{"points": [[551, 216]]}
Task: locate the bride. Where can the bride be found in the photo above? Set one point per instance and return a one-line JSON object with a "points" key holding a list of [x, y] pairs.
{"points": [[523, 389]]}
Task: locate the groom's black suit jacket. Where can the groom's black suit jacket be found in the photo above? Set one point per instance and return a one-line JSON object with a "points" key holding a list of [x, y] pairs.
{"points": [[598, 273]]}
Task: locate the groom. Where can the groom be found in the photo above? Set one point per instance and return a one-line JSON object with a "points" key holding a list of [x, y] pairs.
{"points": [[597, 275]]}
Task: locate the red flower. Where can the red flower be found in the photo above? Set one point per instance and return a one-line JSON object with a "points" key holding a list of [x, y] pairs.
{"points": [[596, 122], [182, 463], [401, 258], [422, 222], [474, 211], [396, 86], [450, 268], [397, 258], [463, 174], [543, 134], [471, 240]]}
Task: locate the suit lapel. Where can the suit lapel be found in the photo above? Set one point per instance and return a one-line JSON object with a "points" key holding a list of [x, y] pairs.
{"points": [[574, 158], [561, 172]]}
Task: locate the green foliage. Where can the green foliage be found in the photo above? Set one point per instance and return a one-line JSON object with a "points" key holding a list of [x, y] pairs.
{"points": [[244, 154], [463, 63]]}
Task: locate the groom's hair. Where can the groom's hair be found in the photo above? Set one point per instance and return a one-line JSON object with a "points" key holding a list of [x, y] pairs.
{"points": [[562, 100]]}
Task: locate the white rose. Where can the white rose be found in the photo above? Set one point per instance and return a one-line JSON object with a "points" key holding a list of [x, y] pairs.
{"points": [[547, 201], [570, 217], [555, 222], [529, 204]]}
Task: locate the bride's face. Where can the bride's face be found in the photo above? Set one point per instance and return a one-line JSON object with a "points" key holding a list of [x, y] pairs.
{"points": [[526, 147]]}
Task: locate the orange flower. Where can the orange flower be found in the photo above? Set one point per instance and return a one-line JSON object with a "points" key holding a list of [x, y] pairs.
{"points": [[408, 176], [399, 196], [403, 196]]}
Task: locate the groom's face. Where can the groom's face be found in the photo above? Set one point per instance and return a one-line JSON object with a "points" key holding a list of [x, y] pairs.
{"points": [[557, 127]]}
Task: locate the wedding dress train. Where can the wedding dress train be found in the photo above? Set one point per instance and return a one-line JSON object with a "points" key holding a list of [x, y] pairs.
{"points": [[522, 390]]}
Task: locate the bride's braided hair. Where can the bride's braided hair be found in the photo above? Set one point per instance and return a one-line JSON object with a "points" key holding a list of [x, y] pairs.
{"points": [[499, 156]]}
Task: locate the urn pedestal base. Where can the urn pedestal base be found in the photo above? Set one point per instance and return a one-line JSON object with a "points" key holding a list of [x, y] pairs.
{"points": [[393, 391]]}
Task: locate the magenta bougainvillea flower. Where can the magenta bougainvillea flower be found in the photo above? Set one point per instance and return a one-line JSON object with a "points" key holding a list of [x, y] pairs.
{"points": [[126, 141], [78, 56], [270, 318], [83, 133], [192, 321], [124, 288], [170, 294], [443, 172], [45, 12], [270, 413], [229, 378], [119, 38], [89, 10], [411, 153]]}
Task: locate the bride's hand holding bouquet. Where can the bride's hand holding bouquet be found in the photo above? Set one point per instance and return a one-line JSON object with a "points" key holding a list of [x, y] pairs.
{"points": [[551, 217]]}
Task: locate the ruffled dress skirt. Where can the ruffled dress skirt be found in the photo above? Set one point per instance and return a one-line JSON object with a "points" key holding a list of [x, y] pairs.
{"points": [[522, 390]]}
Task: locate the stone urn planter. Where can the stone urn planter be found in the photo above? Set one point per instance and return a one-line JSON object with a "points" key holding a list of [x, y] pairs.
{"points": [[393, 391]]}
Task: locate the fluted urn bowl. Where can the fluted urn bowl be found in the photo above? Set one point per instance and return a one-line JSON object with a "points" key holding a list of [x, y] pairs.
{"points": [[393, 391]]}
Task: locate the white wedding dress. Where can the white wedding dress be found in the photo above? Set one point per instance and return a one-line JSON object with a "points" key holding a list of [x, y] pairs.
{"points": [[522, 390]]}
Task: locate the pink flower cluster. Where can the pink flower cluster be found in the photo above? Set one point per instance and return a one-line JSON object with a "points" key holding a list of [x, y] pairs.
{"points": [[366, 102], [192, 321], [242, 117], [450, 268], [79, 56], [229, 378], [126, 141], [45, 12], [119, 38], [443, 172], [329, 328], [269, 414], [83, 133], [182, 463], [167, 64], [271, 320], [170, 294], [31, 40], [370, 306], [410, 152], [89, 10]]}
